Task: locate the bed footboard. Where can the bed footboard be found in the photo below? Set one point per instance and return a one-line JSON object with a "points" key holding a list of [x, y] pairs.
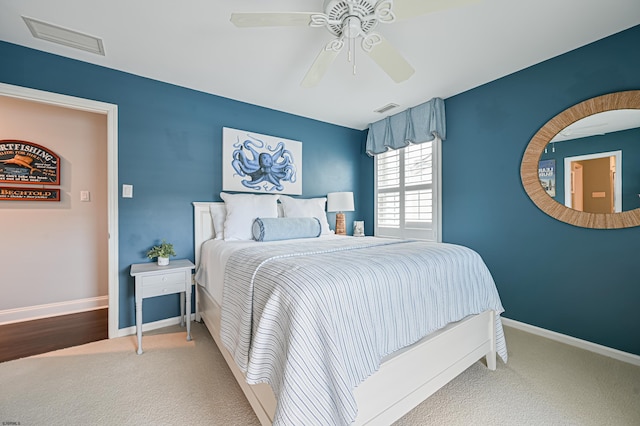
{"points": [[402, 382], [417, 372]]}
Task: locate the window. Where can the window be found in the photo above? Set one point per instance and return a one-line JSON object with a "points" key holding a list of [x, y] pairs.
{"points": [[407, 192]]}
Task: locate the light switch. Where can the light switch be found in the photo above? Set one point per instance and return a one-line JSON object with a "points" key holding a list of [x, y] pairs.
{"points": [[85, 196], [127, 191]]}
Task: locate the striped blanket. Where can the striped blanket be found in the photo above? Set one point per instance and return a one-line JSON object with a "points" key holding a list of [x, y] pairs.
{"points": [[315, 319]]}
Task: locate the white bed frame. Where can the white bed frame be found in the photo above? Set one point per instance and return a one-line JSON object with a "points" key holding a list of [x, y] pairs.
{"points": [[403, 381]]}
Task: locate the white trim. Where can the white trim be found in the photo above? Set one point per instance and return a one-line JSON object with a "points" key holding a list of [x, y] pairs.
{"points": [[437, 172], [111, 111], [29, 313], [572, 341], [127, 331]]}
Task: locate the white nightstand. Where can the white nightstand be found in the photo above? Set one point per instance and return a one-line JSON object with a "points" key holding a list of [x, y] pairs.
{"points": [[153, 280]]}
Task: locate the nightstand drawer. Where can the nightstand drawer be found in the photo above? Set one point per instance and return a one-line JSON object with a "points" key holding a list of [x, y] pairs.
{"points": [[157, 285], [160, 289], [163, 279]]}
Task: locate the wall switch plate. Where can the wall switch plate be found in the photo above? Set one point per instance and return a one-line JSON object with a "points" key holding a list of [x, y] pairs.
{"points": [[127, 191], [85, 196]]}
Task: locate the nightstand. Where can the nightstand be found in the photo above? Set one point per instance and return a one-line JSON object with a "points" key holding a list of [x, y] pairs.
{"points": [[153, 280]]}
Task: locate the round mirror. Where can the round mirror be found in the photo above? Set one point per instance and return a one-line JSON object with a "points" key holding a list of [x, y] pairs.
{"points": [[572, 167]]}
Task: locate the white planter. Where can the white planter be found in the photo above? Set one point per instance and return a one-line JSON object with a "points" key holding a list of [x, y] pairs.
{"points": [[163, 261]]}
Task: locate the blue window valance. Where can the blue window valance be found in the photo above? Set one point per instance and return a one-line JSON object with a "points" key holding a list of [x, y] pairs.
{"points": [[421, 123]]}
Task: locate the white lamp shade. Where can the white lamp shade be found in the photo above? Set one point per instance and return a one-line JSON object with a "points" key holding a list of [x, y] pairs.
{"points": [[340, 202]]}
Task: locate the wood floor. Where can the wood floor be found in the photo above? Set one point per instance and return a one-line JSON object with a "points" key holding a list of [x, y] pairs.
{"points": [[19, 340]]}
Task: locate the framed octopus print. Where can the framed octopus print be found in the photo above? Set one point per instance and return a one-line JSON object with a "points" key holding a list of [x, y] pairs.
{"points": [[252, 162]]}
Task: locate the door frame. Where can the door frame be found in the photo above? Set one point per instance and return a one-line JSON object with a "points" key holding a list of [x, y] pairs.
{"points": [[111, 111], [617, 193]]}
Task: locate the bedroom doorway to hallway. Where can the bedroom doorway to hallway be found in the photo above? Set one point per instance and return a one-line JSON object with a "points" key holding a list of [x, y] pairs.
{"points": [[102, 307]]}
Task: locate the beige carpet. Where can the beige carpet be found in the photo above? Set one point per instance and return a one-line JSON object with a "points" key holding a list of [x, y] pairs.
{"points": [[188, 383]]}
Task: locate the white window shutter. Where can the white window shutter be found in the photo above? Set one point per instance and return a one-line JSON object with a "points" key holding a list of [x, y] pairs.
{"points": [[407, 192]]}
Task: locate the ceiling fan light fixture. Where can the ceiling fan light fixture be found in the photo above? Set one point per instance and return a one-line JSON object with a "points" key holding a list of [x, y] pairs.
{"points": [[338, 12], [352, 27]]}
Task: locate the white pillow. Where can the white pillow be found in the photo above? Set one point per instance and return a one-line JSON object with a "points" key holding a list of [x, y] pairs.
{"points": [[309, 207], [242, 210], [218, 216]]}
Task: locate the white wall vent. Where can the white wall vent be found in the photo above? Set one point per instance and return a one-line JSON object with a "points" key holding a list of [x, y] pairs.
{"points": [[386, 108], [64, 36]]}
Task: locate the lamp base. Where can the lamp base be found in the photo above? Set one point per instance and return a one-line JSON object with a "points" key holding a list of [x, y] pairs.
{"points": [[341, 229]]}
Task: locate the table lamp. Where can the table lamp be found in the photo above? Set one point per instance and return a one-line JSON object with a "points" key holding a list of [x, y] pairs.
{"points": [[340, 202]]}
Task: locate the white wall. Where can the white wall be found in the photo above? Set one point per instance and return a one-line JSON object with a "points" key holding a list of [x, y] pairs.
{"points": [[56, 252]]}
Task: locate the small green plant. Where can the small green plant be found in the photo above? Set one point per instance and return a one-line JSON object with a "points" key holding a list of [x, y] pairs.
{"points": [[165, 249]]}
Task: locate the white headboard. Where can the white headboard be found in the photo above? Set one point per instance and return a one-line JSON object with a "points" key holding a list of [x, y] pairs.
{"points": [[203, 225]]}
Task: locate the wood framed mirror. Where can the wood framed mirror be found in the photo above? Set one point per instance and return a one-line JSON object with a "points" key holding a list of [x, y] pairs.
{"points": [[628, 100]]}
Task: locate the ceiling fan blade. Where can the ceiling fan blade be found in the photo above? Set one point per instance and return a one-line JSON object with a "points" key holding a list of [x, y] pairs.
{"points": [[576, 130], [404, 9], [322, 63], [389, 59], [268, 19]]}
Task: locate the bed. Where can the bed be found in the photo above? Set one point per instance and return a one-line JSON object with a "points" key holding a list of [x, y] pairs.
{"points": [[386, 388]]}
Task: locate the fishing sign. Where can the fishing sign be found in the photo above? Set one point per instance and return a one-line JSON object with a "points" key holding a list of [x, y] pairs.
{"points": [[28, 163]]}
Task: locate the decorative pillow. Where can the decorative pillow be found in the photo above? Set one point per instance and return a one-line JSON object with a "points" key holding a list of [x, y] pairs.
{"points": [[242, 210], [218, 216], [309, 207], [285, 228]]}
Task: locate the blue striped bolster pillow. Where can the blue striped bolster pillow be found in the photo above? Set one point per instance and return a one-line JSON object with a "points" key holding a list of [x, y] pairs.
{"points": [[285, 228]]}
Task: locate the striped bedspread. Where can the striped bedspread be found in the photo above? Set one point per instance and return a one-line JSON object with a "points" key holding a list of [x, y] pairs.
{"points": [[315, 319]]}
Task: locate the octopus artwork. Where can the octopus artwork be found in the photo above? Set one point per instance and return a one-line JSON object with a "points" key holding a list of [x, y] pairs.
{"points": [[264, 167]]}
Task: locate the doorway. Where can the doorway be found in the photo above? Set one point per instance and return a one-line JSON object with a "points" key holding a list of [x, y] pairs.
{"points": [[593, 182], [110, 111]]}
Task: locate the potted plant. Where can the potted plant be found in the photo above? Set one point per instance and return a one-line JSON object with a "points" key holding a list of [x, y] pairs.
{"points": [[162, 252]]}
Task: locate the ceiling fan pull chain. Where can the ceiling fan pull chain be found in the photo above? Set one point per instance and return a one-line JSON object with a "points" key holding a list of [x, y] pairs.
{"points": [[354, 56]]}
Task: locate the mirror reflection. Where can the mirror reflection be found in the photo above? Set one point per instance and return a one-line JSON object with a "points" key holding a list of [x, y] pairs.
{"points": [[582, 166]]}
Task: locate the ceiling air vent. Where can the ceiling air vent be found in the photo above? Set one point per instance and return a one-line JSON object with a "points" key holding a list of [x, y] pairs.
{"points": [[64, 36], [386, 108]]}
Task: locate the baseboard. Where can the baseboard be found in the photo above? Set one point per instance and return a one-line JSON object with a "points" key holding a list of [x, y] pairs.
{"points": [[573, 341], [29, 313], [148, 326]]}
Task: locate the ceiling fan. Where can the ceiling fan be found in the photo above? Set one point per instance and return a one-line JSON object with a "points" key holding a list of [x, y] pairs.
{"points": [[583, 131], [348, 21]]}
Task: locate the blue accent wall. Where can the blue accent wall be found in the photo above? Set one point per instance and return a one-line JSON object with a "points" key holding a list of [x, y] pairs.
{"points": [[169, 148], [580, 282]]}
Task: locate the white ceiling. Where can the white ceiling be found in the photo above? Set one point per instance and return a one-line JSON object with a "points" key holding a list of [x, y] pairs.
{"points": [[600, 124], [193, 44]]}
